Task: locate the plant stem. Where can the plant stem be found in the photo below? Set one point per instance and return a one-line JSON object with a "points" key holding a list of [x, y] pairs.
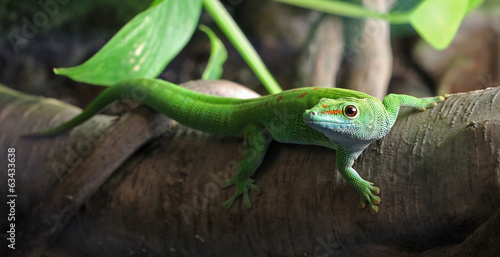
{"points": [[399, 18], [348, 10], [241, 43]]}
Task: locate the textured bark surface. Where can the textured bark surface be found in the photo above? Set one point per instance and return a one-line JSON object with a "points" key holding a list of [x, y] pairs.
{"points": [[438, 170]]}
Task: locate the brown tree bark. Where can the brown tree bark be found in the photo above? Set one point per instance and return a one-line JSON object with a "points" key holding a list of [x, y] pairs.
{"points": [[439, 172]]}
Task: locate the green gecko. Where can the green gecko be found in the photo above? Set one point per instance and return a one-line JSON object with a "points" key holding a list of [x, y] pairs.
{"points": [[341, 119]]}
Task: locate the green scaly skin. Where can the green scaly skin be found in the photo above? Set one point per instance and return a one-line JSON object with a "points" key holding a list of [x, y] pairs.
{"points": [[341, 119]]}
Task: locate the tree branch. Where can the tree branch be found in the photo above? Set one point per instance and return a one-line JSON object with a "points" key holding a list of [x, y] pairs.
{"points": [[438, 171]]}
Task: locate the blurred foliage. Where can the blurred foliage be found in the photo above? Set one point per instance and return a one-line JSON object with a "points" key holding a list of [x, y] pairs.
{"points": [[490, 6], [88, 13]]}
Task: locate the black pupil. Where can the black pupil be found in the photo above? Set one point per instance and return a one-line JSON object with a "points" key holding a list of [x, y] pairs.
{"points": [[351, 111]]}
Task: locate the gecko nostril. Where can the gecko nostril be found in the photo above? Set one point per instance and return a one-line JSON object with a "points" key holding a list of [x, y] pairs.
{"points": [[314, 113]]}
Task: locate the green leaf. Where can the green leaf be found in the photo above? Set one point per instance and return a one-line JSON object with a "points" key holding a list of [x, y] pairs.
{"points": [[437, 21], [218, 55], [143, 47]]}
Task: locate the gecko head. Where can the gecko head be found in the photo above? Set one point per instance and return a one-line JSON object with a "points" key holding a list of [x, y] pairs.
{"points": [[346, 121]]}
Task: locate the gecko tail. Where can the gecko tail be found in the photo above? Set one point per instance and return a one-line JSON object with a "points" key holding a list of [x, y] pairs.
{"points": [[192, 109], [101, 102], [52, 132]]}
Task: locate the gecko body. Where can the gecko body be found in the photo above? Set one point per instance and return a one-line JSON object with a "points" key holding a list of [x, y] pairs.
{"points": [[341, 119]]}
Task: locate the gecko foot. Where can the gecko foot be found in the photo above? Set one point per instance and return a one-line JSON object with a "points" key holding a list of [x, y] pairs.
{"points": [[430, 102], [241, 189], [369, 193]]}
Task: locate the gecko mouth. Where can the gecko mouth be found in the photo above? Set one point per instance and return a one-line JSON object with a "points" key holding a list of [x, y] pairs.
{"points": [[331, 125]]}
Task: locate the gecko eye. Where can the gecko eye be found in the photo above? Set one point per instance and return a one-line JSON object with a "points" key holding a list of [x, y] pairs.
{"points": [[351, 111]]}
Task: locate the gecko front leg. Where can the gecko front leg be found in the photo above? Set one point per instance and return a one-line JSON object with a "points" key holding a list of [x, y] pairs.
{"points": [[256, 143], [366, 190]]}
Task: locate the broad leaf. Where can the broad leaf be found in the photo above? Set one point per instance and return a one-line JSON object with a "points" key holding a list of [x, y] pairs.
{"points": [[218, 55], [437, 21], [143, 47]]}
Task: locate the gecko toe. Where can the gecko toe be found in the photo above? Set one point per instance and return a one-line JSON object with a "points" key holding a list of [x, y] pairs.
{"points": [[374, 209], [246, 202], [368, 194], [228, 183], [227, 204], [242, 188]]}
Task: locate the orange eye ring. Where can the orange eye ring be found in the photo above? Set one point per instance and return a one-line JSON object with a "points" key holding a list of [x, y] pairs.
{"points": [[351, 111]]}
